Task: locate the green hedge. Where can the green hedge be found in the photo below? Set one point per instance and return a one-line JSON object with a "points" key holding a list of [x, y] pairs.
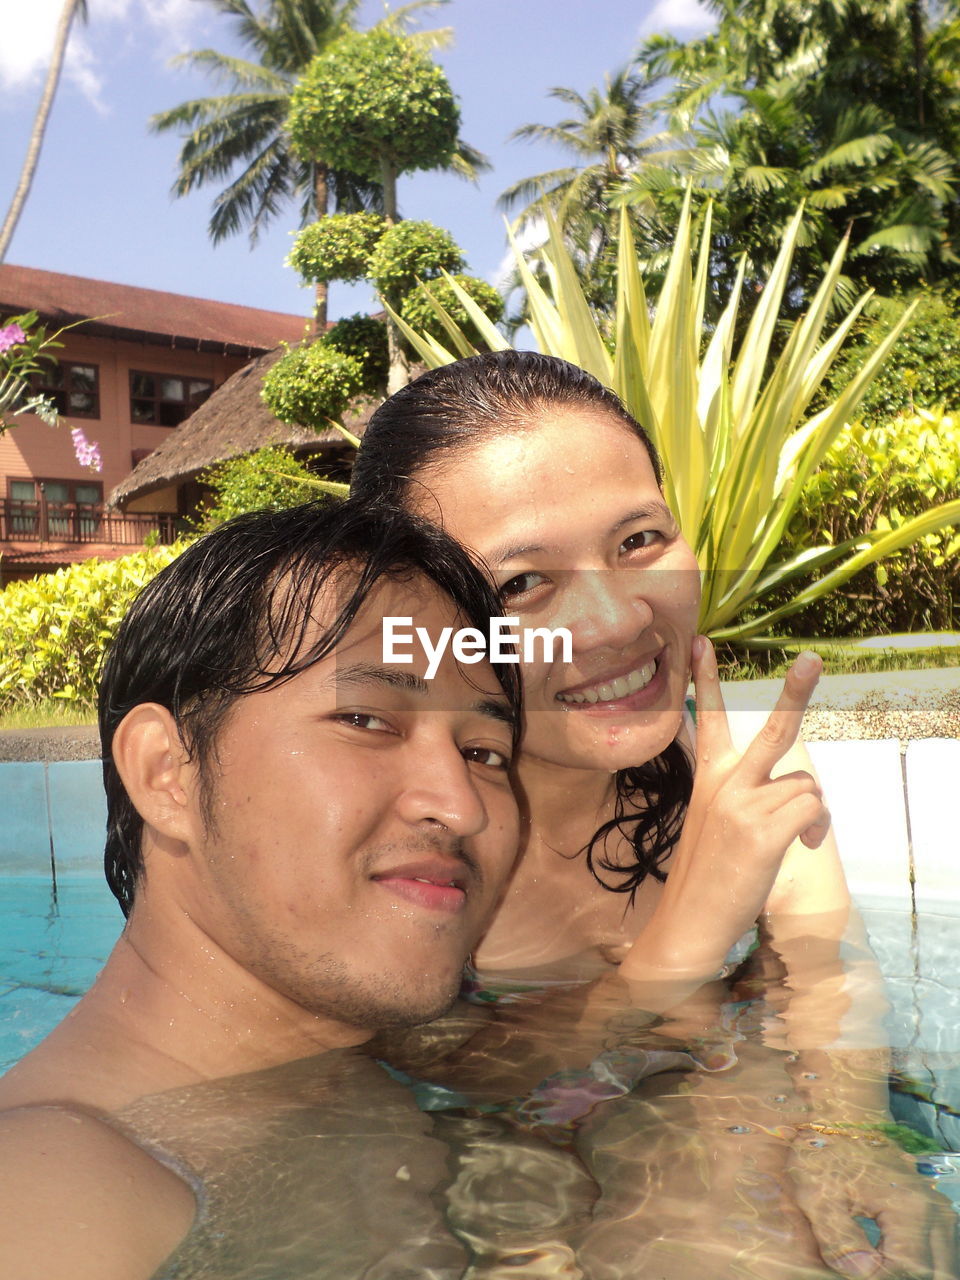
{"points": [[55, 628], [876, 477]]}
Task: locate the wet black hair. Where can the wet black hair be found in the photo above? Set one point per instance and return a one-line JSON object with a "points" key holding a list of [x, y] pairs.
{"points": [[236, 613], [452, 409]]}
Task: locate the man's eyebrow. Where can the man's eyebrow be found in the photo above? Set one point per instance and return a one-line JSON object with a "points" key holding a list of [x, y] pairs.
{"points": [[371, 672]]}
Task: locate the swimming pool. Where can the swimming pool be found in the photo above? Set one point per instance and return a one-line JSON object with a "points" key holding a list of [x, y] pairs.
{"points": [[56, 938], [55, 935], [54, 944]]}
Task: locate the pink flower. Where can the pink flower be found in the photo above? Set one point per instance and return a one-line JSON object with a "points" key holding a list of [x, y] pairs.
{"points": [[11, 336], [87, 452]]}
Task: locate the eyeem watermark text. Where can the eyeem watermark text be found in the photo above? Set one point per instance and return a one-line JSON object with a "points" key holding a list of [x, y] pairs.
{"points": [[506, 641]]}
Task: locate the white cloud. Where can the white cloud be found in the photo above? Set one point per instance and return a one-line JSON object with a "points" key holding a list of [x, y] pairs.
{"points": [[677, 17], [27, 39], [532, 235], [29, 30]]}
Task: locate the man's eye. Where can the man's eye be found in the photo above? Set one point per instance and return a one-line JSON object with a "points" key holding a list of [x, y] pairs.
{"points": [[521, 585], [488, 756], [363, 720]]}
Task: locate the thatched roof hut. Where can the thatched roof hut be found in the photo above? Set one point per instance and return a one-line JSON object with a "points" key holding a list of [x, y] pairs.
{"points": [[233, 422]]}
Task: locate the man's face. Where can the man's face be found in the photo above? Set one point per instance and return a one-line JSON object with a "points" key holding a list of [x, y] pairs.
{"points": [[362, 825]]}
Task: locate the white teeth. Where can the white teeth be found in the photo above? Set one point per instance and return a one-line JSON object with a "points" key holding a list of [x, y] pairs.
{"points": [[620, 687]]}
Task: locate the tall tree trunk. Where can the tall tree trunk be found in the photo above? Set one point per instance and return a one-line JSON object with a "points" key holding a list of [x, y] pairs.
{"points": [[919, 57], [67, 14], [399, 372], [321, 195], [389, 180]]}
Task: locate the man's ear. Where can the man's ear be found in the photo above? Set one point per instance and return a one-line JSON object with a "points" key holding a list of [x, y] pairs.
{"points": [[155, 769]]}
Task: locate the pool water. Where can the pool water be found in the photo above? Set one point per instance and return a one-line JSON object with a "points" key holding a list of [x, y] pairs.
{"points": [[52, 946], [506, 1194]]}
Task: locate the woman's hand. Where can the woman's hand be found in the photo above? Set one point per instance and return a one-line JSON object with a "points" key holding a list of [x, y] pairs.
{"points": [[739, 825], [840, 1178]]}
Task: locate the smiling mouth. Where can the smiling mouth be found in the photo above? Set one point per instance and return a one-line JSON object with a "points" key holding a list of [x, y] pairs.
{"points": [[612, 690]]}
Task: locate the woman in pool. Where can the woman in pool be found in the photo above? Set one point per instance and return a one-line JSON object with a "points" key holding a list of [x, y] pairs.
{"points": [[534, 466], [630, 866]]}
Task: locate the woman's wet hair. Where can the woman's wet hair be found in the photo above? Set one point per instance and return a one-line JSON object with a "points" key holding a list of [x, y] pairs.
{"points": [[237, 613], [447, 412]]}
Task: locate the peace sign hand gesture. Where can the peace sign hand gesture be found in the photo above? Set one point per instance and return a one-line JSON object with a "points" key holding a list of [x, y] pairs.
{"points": [[739, 825]]}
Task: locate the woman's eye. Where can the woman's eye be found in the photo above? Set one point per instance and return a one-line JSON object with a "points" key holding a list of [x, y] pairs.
{"points": [[644, 538], [363, 720], [489, 756], [521, 585]]}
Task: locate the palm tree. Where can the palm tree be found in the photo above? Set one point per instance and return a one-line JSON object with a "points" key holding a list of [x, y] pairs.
{"points": [[71, 9], [834, 106], [607, 138], [246, 126]]}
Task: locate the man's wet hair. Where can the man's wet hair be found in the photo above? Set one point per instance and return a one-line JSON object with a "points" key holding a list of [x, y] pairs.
{"points": [[236, 613]]}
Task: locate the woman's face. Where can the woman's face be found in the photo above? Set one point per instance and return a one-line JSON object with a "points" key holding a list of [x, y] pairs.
{"points": [[568, 515]]}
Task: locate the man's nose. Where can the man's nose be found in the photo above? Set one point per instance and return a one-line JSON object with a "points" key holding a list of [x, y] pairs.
{"points": [[441, 789], [609, 608]]}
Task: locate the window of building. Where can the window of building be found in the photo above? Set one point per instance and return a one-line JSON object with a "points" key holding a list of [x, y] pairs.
{"points": [[68, 501], [74, 388], [165, 399]]}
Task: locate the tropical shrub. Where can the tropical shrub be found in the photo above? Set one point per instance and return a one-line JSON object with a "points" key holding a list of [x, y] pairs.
{"points": [[420, 308], [411, 251], [922, 371], [337, 247], [365, 339], [878, 477], [55, 628], [270, 479], [735, 430], [311, 384]]}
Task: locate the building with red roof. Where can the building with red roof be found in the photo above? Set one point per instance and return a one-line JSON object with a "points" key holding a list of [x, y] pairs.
{"points": [[135, 366]]}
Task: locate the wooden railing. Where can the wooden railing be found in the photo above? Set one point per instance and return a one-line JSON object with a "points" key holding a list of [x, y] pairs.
{"points": [[78, 522]]}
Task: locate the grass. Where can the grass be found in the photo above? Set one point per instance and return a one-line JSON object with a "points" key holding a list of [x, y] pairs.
{"points": [[52, 713], [764, 664]]}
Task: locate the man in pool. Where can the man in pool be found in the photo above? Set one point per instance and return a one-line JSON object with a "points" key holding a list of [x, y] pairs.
{"points": [[307, 842]]}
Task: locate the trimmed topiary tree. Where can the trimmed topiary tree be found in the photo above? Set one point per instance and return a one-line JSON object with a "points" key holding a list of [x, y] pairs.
{"points": [[375, 104], [311, 385], [337, 247], [365, 339], [409, 252], [270, 479], [420, 314]]}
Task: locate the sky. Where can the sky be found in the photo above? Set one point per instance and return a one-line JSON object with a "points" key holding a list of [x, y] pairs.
{"points": [[101, 204]]}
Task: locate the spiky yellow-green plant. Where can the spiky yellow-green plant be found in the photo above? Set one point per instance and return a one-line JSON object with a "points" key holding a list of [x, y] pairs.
{"points": [[732, 427]]}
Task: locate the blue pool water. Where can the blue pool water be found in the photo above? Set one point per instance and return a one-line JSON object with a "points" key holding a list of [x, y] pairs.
{"points": [[53, 945]]}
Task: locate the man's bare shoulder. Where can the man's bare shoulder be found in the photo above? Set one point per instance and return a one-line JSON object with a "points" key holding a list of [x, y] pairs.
{"points": [[80, 1200]]}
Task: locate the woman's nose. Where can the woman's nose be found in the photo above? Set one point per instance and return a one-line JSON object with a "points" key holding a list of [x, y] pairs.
{"points": [[609, 608]]}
